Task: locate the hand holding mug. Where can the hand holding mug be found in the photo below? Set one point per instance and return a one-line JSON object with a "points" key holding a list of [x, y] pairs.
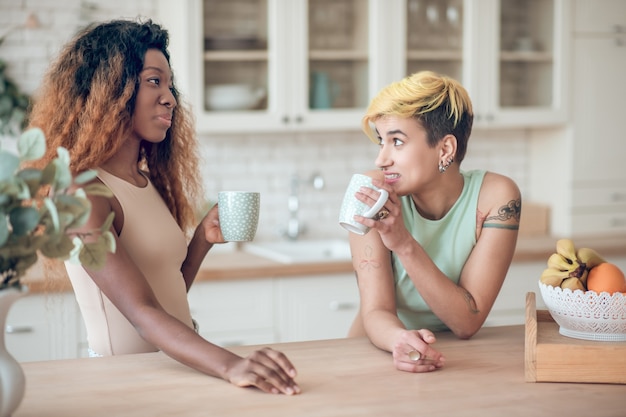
{"points": [[351, 206]]}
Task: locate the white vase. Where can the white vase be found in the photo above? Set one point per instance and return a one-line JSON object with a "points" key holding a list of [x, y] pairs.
{"points": [[12, 381]]}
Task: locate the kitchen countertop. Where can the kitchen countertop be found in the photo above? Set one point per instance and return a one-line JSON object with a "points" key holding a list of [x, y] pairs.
{"points": [[348, 377], [233, 265]]}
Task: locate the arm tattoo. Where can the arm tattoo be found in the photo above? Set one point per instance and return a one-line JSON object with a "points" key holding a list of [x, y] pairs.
{"points": [[512, 210], [368, 263], [471, 303]]}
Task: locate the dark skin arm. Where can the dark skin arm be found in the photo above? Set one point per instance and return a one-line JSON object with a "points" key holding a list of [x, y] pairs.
{"points": [[266, 369]]}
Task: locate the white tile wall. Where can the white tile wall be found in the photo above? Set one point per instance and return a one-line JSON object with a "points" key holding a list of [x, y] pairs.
{"points": [[263, 162]]}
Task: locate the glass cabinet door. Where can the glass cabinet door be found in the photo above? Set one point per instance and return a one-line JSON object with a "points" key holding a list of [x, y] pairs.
{"points": [[509, 54], [526, 53], [434, 36], [338, 54], [235, 55]]}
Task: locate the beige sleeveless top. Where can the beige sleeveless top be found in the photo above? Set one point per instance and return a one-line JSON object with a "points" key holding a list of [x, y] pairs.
{"points": [[158, 246]]}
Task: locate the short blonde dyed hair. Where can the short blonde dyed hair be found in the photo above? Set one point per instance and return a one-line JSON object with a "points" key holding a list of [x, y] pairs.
{"points": [[438, 102]]}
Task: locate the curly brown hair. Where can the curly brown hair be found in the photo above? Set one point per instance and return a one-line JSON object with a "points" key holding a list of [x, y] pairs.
{"points": [[86, 104]]}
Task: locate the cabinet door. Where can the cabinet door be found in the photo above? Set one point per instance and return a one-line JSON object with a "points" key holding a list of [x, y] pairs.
{"points": [[510, 305], [43, 327], [517, 61], [316, 307], [234, 313], [599, 149], [268, 65], [509, 54], [600, 16]]}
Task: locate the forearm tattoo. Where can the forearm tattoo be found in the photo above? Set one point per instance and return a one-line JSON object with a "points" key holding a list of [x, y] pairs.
{"points": [[368, 263]]}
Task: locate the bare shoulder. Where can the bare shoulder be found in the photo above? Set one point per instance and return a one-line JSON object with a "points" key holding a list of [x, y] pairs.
{"points": [[500, 200]]}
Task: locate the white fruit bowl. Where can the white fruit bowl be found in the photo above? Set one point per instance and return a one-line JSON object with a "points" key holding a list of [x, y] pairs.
{"points": [[586, 314]]}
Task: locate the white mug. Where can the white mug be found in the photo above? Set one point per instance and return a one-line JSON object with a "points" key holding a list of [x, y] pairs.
{"points": [[351, 206], [239, 214]]}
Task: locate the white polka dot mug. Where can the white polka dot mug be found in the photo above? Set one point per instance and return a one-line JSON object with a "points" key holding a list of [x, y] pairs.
{"points": [[239, 214], [351, 206]]}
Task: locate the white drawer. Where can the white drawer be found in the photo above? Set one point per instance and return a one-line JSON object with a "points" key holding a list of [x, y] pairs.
{"points": [[593, 223], [233, 305], [610, 197]]}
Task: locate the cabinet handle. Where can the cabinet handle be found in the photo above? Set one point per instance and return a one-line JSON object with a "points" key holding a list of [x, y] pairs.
{"points": [[9, 329], [617, 197], [617, 222], [299, 119], [286, 119], [338, 305]]}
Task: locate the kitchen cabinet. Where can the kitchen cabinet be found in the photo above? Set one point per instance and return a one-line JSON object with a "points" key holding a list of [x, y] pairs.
{"points": [[285, 309], [316, 307], [234, 313], [510, 305], [306, 64], [510, 55], [587, 194], [316, 64], [599, 196], [45, 326]]}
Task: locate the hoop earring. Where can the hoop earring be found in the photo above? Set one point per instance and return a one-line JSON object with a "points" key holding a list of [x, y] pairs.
{"points": [[442, 167]]}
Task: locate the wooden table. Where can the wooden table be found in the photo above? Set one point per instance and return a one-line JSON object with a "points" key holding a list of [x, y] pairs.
{"points": [[345, 377]]}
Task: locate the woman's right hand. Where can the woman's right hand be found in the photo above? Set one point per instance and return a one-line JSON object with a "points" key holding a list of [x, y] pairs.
{"points": [[266, 369], [412, 352]]}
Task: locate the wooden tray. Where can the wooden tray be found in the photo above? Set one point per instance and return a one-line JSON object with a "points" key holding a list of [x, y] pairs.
{"points": [[552, 357]]}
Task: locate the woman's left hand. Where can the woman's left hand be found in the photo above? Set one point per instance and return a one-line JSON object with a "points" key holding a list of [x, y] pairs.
{"points": [[211, 225], [413, 352]]}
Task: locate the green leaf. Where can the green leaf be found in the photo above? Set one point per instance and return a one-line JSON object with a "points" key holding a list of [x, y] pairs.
{"points": [[32, 178], [48, 174], [54, 214], [23, 220], [4, 229], [8, 165], [110, 241], [63, 176], [31, 145], [98, 189], [93, 255], [63, 155], [58, 249], [85, 177], [106, 226]]}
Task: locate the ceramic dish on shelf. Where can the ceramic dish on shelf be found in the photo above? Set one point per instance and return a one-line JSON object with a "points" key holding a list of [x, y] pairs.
{"points": [[586, 314], [233, 97]]}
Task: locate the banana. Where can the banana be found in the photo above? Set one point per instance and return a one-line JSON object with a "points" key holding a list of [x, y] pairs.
{"points": [[589, 257], [566, 248], [559, 262], [573, 283], [583, 277], [553, 277]]}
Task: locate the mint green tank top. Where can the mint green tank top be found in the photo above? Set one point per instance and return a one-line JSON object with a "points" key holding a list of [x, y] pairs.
{"points": [[448, 241]]}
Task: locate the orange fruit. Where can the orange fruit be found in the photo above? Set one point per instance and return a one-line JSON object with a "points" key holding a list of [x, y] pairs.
{"points": [[606, 277]]}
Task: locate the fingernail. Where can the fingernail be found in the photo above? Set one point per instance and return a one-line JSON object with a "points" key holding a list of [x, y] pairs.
{"points": [[289, 391]]}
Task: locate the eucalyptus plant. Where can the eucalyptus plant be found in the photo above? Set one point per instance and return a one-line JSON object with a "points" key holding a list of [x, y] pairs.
{"points": [[13, 103], [39, 209]]}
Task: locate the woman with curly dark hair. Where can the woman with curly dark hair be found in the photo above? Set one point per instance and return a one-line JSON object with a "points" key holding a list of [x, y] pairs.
{"points": [[109, 98]]}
